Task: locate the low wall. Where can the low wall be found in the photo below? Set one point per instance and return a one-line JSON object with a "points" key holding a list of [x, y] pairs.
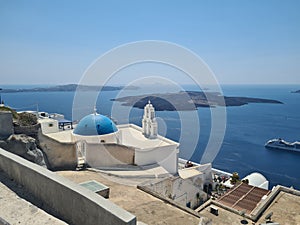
{"points": [[74, 204], [31, 131], [58, 155]]}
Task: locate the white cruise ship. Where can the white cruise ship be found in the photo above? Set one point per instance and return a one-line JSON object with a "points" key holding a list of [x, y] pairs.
{"points": [[284, 145]]}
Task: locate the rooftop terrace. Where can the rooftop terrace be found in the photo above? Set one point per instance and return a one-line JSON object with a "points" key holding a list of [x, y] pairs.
{"points": [[132, 136], [145, 207]]}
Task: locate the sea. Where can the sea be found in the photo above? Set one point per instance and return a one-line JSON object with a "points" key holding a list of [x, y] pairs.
{"points": [[248, 127]]}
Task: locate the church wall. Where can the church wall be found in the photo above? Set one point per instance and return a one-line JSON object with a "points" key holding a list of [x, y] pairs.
{"points": [[166, 156], [99, 155], [94, 139]]}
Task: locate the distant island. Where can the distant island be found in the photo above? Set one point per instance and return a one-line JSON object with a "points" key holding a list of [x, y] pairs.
{"points": [[190, 100], [68, 87], [296, 91]]}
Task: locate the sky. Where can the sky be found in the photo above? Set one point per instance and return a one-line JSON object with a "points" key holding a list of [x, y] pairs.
{"points": [[243, 42]]}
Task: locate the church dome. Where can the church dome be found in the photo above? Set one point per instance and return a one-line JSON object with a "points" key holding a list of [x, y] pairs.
{"points": [[95, 124]]}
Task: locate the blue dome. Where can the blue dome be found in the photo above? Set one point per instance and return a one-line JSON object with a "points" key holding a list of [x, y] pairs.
{"points": [[95, 124]]}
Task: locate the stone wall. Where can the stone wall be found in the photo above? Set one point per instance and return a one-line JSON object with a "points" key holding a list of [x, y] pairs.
{"points": [[58, 155], [6, 124], [74, 204], [31, 131]]}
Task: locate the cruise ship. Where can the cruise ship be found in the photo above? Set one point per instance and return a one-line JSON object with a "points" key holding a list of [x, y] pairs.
{"points": [[283, 145]]}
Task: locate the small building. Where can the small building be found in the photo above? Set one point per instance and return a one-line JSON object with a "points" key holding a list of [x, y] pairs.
{"points": [[187, 188], [48, 125], [144, 144]]}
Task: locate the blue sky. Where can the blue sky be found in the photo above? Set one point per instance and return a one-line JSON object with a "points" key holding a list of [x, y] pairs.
{"points": [[53, 42]]}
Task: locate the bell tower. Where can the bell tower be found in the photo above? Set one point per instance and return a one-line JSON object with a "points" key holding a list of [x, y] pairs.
{"points": [[149, 123]]}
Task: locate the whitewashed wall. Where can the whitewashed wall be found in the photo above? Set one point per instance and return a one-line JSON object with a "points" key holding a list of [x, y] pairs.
{"points": [[166, 156], [49, 125]]}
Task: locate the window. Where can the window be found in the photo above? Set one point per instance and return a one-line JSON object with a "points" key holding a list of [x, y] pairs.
{"points": [[50, 124]]}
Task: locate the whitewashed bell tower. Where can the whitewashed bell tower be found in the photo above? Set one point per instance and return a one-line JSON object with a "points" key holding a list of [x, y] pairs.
{"points": [[149, 123]]}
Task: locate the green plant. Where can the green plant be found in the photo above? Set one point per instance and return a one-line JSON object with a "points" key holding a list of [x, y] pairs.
{"points": [[235, 178], [27, 119]]}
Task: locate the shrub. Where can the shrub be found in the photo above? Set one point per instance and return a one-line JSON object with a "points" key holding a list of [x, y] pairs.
{"points": [[27, 119], [235, 178]]}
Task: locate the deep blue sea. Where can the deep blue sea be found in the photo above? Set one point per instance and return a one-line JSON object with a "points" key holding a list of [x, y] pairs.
{"points": [[248, 127]]}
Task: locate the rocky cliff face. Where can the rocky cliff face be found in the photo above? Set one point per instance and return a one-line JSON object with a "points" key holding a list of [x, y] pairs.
{"points": [[24, 146]]}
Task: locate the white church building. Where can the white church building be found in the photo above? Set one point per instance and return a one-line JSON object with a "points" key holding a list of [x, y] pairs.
{"points": [[103, 143]]}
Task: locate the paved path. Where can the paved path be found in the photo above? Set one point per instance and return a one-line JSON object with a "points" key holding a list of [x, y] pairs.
{"points": [[14, 209]]}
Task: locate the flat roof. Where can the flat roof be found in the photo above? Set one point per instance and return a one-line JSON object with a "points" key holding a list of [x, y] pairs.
{"points": [[145, 207], [285, 208], [132, 136], [61, 136], [188, 172], [46, 119], [224, 217]]}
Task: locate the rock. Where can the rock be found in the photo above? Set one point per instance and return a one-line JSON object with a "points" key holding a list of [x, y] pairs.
{"points": [[24, 146]]}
